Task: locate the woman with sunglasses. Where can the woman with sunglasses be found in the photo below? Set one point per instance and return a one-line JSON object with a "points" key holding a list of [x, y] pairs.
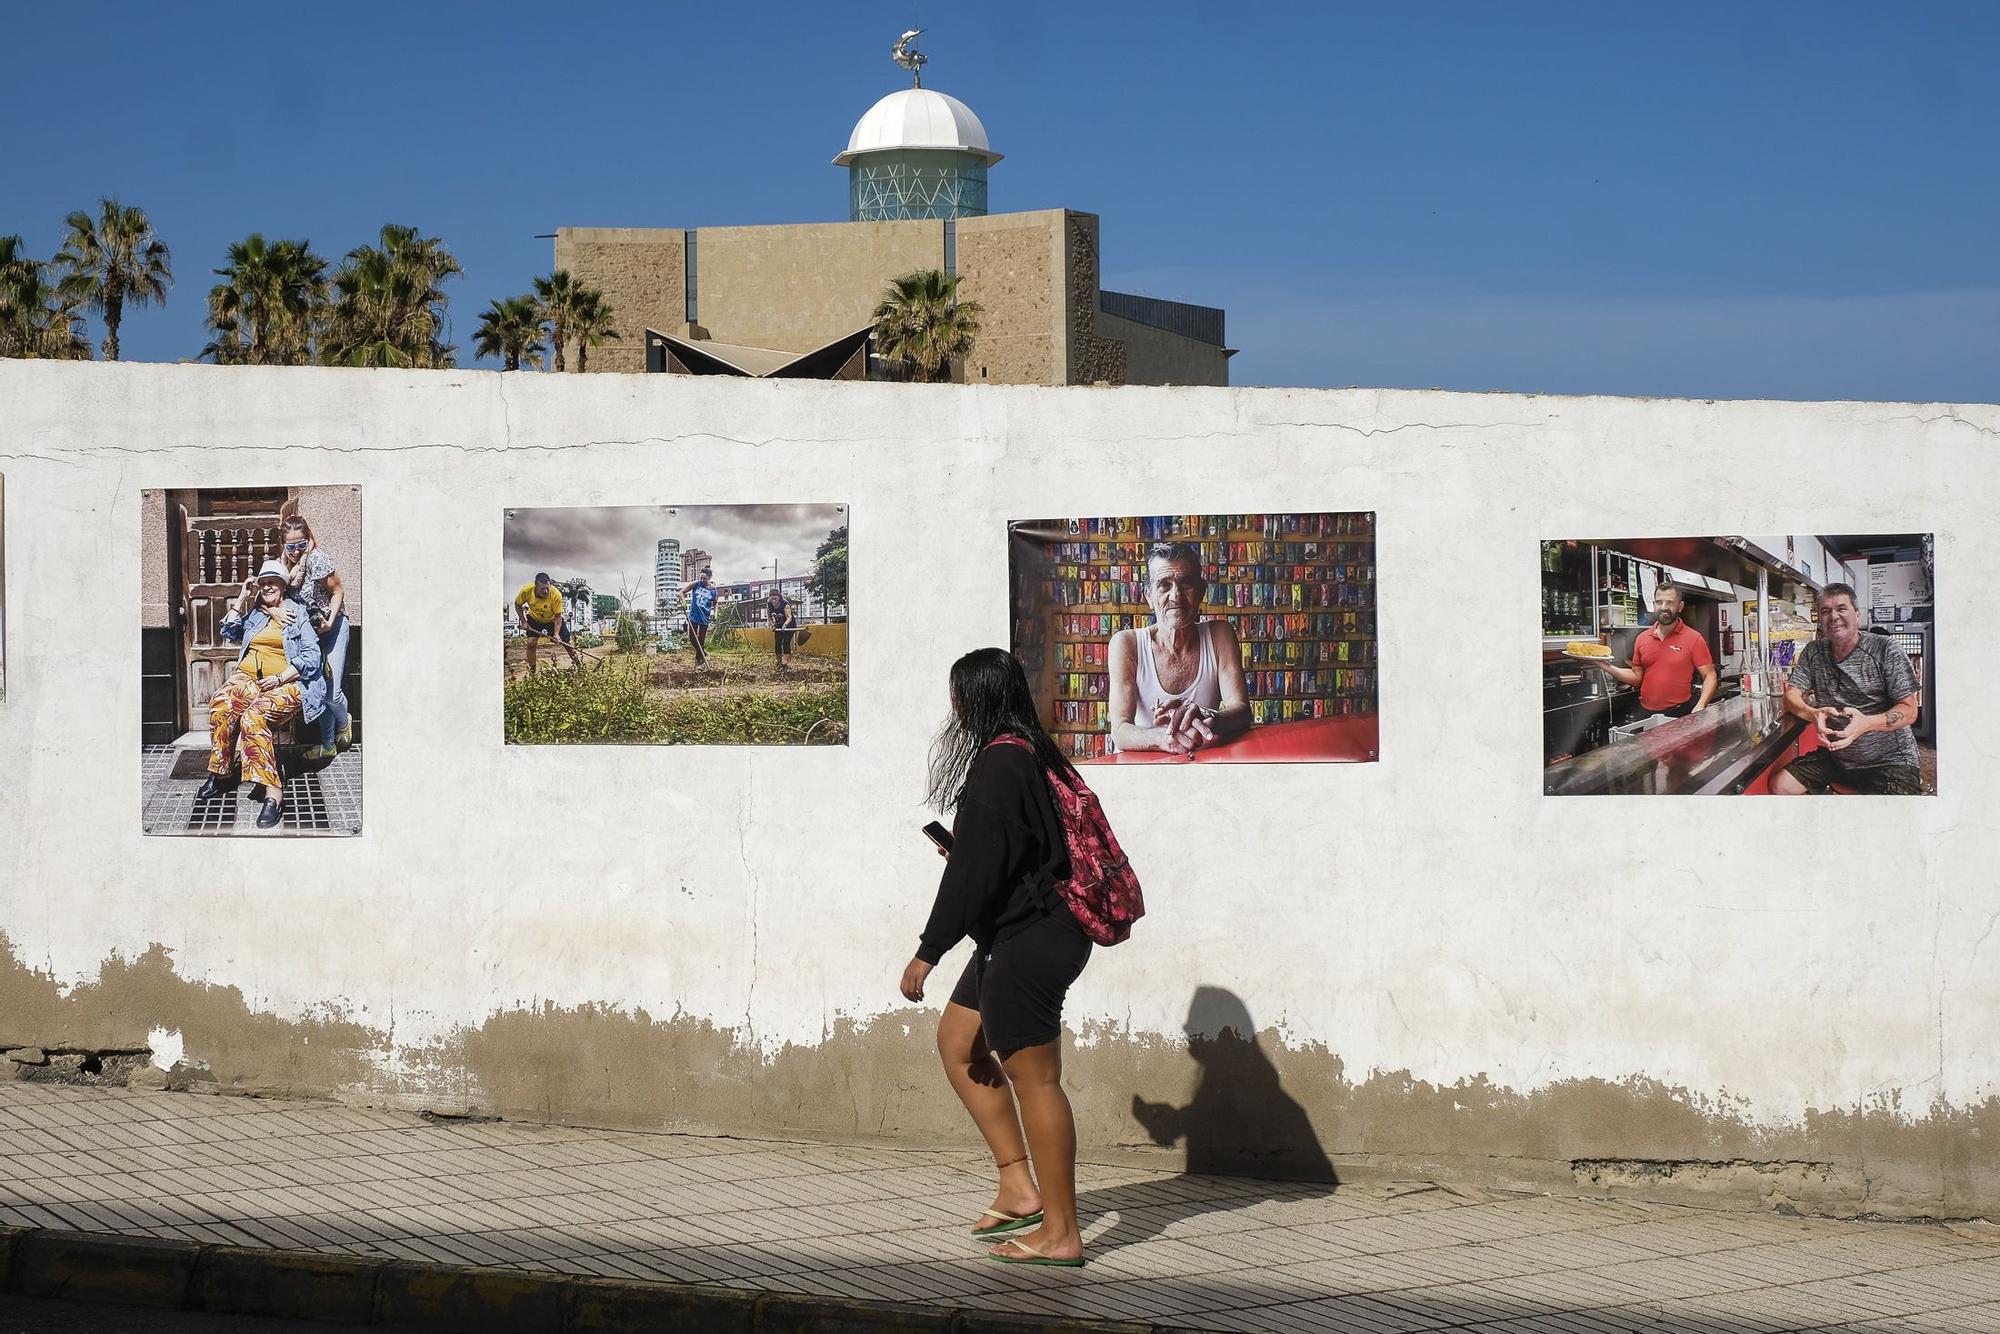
{"points": [[278, 676], [316, 582]]}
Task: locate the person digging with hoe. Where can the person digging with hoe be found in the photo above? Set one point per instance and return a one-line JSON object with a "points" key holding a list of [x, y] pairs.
{"points": [[538, 610], [701, 613]]}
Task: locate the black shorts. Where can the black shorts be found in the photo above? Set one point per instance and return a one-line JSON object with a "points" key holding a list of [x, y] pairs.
{"points": [[1018, 984], [560, 629], [1819, 770]]}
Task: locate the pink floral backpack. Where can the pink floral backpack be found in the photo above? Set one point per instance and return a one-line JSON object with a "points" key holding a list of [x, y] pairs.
{"points": [[1102, 891]]}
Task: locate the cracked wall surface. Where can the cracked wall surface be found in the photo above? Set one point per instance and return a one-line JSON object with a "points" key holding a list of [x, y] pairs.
{"points": [[1743, 1001]]}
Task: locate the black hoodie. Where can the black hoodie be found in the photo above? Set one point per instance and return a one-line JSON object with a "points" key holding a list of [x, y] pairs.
{"points": [[1007, 852]]}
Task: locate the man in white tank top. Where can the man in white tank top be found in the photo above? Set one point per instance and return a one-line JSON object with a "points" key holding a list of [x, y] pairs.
{"points": [[1177, 685]]}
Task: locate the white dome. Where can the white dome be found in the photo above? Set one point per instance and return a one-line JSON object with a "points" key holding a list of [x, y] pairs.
{"points": [[918, 118]]}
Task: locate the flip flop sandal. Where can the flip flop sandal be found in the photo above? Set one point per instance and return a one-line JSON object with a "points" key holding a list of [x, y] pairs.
{"points": [[1033, 1256], [1007, 1223]]}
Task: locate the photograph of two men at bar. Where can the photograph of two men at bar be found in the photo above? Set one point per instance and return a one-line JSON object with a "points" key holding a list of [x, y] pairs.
{"points": [[1792, 666], [1171, 638]]}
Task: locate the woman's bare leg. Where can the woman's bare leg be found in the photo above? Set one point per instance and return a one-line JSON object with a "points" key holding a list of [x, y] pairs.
{"points": [[980, 1083], [1036, 1074]]}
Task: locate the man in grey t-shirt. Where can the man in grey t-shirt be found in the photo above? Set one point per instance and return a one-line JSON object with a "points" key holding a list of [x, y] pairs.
{"points": [[1861, 694]]}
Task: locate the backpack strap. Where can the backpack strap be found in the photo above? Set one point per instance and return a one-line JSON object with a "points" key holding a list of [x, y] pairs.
{"points": [[1045, 878]]}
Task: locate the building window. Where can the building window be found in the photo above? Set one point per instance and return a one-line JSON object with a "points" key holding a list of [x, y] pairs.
{"points": [[693, 282], [950, 247]]}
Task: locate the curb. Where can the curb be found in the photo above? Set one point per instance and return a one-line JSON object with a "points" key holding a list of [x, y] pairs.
{"points": [[459, 1299]]}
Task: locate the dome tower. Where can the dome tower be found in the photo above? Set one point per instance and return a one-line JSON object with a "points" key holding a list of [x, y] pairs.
{"points": [[917, 153]]}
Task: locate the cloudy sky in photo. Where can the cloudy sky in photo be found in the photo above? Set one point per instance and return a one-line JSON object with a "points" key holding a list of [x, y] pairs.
{"points": [[609, 543]]}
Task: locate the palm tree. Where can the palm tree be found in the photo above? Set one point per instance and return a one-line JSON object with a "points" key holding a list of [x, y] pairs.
{"points": [[576, 593], [269, 305], [590, 324], [922, 324], [389, 303], [557, 294], [114, 259], [510, 329], [37, 319]]}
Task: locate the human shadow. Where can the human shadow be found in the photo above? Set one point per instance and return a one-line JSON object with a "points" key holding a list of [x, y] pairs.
{"points": [[1248, 1141]]}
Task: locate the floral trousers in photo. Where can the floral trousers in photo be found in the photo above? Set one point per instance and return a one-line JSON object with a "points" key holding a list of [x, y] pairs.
{"points": [[242, 716]]}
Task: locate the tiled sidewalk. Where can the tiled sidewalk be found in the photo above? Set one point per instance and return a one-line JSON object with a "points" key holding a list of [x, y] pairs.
{"points": [[1197, 1252]]}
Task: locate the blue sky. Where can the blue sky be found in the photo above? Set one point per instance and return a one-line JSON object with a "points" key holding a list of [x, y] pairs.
{"points": [[1793, 200]]}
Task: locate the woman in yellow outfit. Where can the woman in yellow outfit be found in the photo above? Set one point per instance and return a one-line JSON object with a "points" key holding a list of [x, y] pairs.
{"points": [[278, 676]]}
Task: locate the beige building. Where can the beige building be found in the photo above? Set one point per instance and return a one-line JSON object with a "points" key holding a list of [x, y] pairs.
{"points": [[796, 300]]}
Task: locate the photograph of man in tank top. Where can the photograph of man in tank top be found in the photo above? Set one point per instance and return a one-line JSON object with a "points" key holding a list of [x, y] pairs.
{"points": [[1177, 685]]}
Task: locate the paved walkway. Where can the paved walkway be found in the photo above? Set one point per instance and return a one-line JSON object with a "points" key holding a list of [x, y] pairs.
{"points": [[1195, 1252]]}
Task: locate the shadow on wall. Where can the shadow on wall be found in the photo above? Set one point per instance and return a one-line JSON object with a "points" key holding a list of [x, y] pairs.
{"points": [[1240, 1121], [1239, 1124]]}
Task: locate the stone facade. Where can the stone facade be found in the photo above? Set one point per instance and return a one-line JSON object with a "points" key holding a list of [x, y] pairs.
{"points": [[643, 275], [1010, 263], [793, 288]]}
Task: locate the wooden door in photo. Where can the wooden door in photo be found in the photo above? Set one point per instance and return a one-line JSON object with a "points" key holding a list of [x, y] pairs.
{"points": [[224, 536]]}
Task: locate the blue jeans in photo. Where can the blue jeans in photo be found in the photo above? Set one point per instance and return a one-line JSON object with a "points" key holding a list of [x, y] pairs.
{"points": [[333, 651]]}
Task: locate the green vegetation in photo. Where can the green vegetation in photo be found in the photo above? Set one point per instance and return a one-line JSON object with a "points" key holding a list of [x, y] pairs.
{"points": [[725, 630], [829, 576], [612, 703], [629, 635], [640, 698], [813, 716]]}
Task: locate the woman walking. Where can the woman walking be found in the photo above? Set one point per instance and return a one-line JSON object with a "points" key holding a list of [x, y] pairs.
{"points": [[1001, 1034]]}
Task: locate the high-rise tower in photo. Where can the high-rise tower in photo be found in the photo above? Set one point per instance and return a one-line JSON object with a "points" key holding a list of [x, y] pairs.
{"points": [[917, 153], [667, 578]]}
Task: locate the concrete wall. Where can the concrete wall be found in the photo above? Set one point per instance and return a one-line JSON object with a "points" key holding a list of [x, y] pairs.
{"points": [[1440, 972], [1157, 356]]}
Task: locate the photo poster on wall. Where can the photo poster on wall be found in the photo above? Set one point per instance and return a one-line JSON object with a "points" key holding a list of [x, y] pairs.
{"points": [[1682, 666], [3, 588], [250, 653], [675, 625], [1171, 638]]}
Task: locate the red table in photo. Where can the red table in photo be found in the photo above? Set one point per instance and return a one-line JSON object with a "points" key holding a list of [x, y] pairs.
{"points": [[1303, 740]]}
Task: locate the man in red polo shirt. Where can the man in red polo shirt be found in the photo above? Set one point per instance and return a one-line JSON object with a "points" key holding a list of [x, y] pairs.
{"points": [[1665, 659]]}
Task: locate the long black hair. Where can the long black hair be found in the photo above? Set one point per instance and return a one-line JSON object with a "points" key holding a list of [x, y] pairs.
{"points": [[989, 696]]}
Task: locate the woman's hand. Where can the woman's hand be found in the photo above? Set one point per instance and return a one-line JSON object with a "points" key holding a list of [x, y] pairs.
{"points": [[912, 985]]}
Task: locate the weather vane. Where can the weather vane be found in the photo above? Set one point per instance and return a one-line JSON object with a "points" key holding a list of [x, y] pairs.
{"points": [[911, 59]]}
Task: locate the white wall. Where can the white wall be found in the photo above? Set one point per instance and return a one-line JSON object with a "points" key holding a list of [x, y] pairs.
{"points": [[1431, 913]]}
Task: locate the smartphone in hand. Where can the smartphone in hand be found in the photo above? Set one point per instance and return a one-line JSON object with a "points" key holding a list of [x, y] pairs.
{"points": [[939, 835]]}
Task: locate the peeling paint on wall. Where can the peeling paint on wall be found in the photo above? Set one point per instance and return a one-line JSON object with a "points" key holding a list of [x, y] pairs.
{"points": [[1206, 1103], [131, 997]]}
